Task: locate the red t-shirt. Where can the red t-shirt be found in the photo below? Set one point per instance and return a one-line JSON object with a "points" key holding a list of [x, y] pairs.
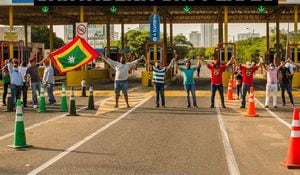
{"points": [[247, 74], [216, 73]]}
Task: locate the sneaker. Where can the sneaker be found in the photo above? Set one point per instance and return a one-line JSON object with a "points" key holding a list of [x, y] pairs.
{"points": [[3, 104], [164, 106], [25, 106], [266, 106], [292, 105], [195, 106], [242, 106], [35, 106]]}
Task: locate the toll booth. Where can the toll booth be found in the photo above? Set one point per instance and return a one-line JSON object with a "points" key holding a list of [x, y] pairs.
{"points": [[114, 53], [222, 54], [269, 55], [21, 52], [159, 54], [170, 54]]}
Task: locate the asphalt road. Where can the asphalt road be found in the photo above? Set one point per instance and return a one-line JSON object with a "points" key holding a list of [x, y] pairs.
{"points": [[148, 140]]}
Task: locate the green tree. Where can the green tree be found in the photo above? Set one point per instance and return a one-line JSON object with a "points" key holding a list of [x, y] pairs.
{"points": [[40, 34], [182, 45], [136, 40]]}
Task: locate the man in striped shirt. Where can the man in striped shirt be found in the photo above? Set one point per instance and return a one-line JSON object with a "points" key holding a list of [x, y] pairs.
{"points": [[159, 81]]}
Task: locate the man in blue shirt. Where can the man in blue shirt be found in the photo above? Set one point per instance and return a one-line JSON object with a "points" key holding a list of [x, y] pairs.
{"points": [[16, 81], [188, 81]]}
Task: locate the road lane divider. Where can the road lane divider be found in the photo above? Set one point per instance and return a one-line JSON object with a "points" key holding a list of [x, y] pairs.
{"points": [[84, 140], [230, 158]]}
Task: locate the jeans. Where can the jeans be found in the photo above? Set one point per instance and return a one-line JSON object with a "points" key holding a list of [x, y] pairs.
{"points": [[15, 93], [35, 86], [238, 90], [24, 93], [188, 89], [50, 93], [288, 88], [5, 87], [160, 90], [245, 89], [269, 88], [214, 88]]}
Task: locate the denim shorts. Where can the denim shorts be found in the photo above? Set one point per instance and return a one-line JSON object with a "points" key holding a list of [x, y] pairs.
{"points": [[121, 85]]}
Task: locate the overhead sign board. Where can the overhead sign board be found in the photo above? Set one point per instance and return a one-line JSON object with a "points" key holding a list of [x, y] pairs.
{"points": [[288, 1], [10, 36], [154, 28], [16, 2], [158, 2], [82, 30]]}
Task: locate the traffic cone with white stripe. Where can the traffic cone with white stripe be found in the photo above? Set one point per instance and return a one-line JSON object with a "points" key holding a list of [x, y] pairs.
{"points": [[251, 112], [19, 133], [9, 101], [293, 155], [72, 108], [42, 105], [91, 105], [83, 88], [64, 103], [229, 92]]}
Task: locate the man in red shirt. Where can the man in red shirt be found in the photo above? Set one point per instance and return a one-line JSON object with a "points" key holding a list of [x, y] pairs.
{"points": [[247, 72], [216, 80]]}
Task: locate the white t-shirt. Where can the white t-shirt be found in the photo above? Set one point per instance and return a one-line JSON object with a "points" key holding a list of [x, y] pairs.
{"points": [[121, 69], [272, 75], [22, 70]]}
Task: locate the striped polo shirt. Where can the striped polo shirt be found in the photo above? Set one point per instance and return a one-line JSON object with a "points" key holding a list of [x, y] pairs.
{"points": [[158, 75]]}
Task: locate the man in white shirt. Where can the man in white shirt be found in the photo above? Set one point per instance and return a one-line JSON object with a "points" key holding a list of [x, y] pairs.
{"points": [[121, 76], [48, 80], [22, 69]]}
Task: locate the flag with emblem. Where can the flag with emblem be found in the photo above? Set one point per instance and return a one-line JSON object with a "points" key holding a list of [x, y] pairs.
{"points": [[73, 55]]}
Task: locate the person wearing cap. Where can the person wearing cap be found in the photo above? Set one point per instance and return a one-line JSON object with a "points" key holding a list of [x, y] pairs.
{"points": [[159, 81], [16, 81], [48, 80], [272, 81], [121, 76], [248, 71], [189, 82], [22, 69], [34, 79], [216, 70], [5, 82]]}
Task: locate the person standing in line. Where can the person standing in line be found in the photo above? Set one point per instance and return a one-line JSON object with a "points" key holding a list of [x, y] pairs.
{"points": [[159, 81], [189, 82], [6, 83], [121, 76], [16, 81], [272, 82], [247, 71], [238, 81], [217, 81], [48, 81], [22, 69], [35, 80]]}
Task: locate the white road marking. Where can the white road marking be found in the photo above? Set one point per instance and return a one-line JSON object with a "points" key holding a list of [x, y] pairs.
{"points": [[84, 140], [231, 162], [273, 114], [58, 117]]}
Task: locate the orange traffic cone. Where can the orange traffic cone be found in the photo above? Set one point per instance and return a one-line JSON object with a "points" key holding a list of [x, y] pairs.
{"points": [[229, 92], [293, 156], [251, 106]]}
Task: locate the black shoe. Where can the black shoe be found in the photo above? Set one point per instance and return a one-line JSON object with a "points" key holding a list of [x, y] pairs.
{"points": [[266, 106], [25, 106], [223, 106], [157, 106], [212, 106], [283, 104], [188, 106], [242, 106], [275, 107]]}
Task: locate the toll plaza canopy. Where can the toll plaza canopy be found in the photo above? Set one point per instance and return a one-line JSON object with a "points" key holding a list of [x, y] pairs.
{"points": [[98, 11]]}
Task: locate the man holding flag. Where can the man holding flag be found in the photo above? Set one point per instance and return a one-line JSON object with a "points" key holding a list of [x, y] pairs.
{"points": [[121, 76]]}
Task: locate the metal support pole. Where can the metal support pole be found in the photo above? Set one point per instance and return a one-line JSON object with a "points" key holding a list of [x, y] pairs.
{"points": [[51, 36], [164, 58], [26, 35], [296, 31], [11, 28], [268, 35], [277, 35], [122, 36], [226, 32], [171, 35]]}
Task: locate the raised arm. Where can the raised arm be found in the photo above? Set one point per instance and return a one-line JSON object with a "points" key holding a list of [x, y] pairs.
{"points": [[261, 62], [171, 64], [132, 63], [230, 61], [109, 61], [198, 64]]}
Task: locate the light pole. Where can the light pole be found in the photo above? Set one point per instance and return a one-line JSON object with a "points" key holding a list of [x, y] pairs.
{"points": [[252, 36]]}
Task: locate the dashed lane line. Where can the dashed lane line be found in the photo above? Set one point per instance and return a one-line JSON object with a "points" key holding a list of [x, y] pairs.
{"points": [[230, 158], [84, 140]]}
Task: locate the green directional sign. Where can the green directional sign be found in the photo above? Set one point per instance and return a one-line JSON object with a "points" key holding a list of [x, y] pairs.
{"points": [[113, 9], [45, 9], [261, 9], [187, 9]]}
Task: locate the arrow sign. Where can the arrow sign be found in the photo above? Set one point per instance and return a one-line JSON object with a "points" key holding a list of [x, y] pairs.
{"points": [[187, 9], [113, 9], [45, 9], [261, 9]]}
